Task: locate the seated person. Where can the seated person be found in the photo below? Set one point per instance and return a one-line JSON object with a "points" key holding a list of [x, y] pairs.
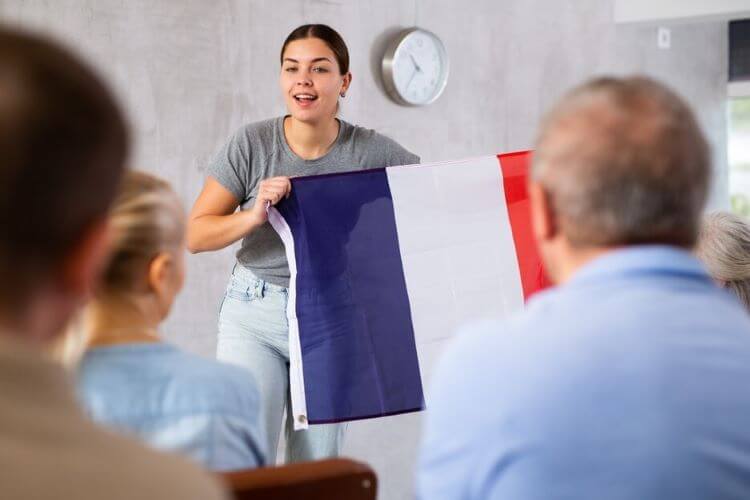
{"points": [[628, 380], [132, 381], [63, 147], [724, 248]]}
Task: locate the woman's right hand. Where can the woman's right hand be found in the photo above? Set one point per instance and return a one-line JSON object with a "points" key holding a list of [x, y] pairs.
{"points": [[272, 191], [215, 222]]}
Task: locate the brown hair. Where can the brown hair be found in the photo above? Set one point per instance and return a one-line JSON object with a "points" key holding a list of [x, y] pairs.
{"points": [[624, 162], [63, 145], [146, 219], [329, 35]]}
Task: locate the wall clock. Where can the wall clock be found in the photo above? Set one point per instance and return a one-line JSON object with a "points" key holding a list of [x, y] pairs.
{"points": [[415, 67]]}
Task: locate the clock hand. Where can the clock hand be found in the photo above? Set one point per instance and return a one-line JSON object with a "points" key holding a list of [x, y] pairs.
{"points": [[413, 74], [414, 62]]}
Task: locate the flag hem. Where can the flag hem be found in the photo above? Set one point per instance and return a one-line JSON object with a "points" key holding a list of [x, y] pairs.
{"points": [[296, 374]]}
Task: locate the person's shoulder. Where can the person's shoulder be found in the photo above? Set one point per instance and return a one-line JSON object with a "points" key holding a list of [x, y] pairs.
{"points": [[144, 473], [494, 335], [493, 348], [222, 386], [103, 366], [369, 137], [371, 140], [207, 368], [255, 138], [481, 339], [261, 127], [258, 132], [475, 366]]}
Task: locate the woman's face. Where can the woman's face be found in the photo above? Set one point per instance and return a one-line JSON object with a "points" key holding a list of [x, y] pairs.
{"points": [[311, 80]]}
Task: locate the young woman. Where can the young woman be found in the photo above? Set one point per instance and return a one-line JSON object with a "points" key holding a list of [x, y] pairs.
{"points": [[128, 378], [252, 170]]}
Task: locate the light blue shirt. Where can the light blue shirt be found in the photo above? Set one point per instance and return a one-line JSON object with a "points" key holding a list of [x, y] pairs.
{"points": [[175, 401], [631, 381]]}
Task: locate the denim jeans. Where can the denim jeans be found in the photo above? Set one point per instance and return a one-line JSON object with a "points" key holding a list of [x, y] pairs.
{"points": [[254, 334]]}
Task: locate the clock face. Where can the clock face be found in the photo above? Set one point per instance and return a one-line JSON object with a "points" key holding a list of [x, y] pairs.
{"points": [[415, 68]]}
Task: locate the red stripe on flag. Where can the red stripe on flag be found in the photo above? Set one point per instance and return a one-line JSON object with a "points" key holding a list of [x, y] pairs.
{"points": [[514, 168]]}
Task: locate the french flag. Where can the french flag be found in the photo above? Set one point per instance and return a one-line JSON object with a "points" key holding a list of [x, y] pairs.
{"points": [[379, 258]]}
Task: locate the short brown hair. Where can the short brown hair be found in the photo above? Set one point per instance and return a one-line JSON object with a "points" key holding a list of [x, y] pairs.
{"points": [[63, 144], [624, 162], [329, 35]]}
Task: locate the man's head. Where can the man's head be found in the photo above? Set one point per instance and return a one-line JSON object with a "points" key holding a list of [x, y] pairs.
{"points": [[617, 162], [63, 143]]}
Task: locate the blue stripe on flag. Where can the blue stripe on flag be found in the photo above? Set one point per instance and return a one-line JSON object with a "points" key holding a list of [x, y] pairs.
{"points": [[359, 356]]}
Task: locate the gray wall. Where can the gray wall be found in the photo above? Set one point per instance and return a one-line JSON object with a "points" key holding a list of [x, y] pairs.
{"points": [[190, 72]]}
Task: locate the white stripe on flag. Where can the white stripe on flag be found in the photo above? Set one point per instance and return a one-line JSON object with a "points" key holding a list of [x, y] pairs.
{"points": [[296, 374], [456, 244]]}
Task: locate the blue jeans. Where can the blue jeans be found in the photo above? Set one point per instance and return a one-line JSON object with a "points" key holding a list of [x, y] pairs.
{"points": [[254, 334]]}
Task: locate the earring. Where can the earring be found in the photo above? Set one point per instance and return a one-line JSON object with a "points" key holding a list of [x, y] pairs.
{"points": [[343, 94]]}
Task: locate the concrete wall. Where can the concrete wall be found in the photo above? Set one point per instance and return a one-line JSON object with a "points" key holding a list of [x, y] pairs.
{"points": [[191, 71]]}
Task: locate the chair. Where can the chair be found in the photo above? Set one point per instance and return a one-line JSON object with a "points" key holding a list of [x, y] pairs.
{"points": [[320, 480]]}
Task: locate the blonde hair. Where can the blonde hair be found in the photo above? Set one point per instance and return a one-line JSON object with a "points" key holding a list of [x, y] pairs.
{"points": [[724, 247], [146, 219]]}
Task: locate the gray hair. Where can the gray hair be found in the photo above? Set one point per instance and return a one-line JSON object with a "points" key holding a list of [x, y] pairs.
{"points": [[623, 162], [724, 248]]}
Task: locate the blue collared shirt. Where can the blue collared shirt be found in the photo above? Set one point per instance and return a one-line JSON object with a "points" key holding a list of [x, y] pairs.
{"points": [[631, 381], [175, 401]]}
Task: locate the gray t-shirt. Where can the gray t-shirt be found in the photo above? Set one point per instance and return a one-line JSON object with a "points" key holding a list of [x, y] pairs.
{"points": [[259, 150]]}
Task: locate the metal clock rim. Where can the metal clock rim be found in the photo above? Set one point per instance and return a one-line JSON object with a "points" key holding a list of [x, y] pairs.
{"points": [[387, 68]]}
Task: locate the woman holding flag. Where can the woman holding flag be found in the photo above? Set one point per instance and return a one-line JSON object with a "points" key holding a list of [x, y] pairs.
{"points": [[251, 171]]}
